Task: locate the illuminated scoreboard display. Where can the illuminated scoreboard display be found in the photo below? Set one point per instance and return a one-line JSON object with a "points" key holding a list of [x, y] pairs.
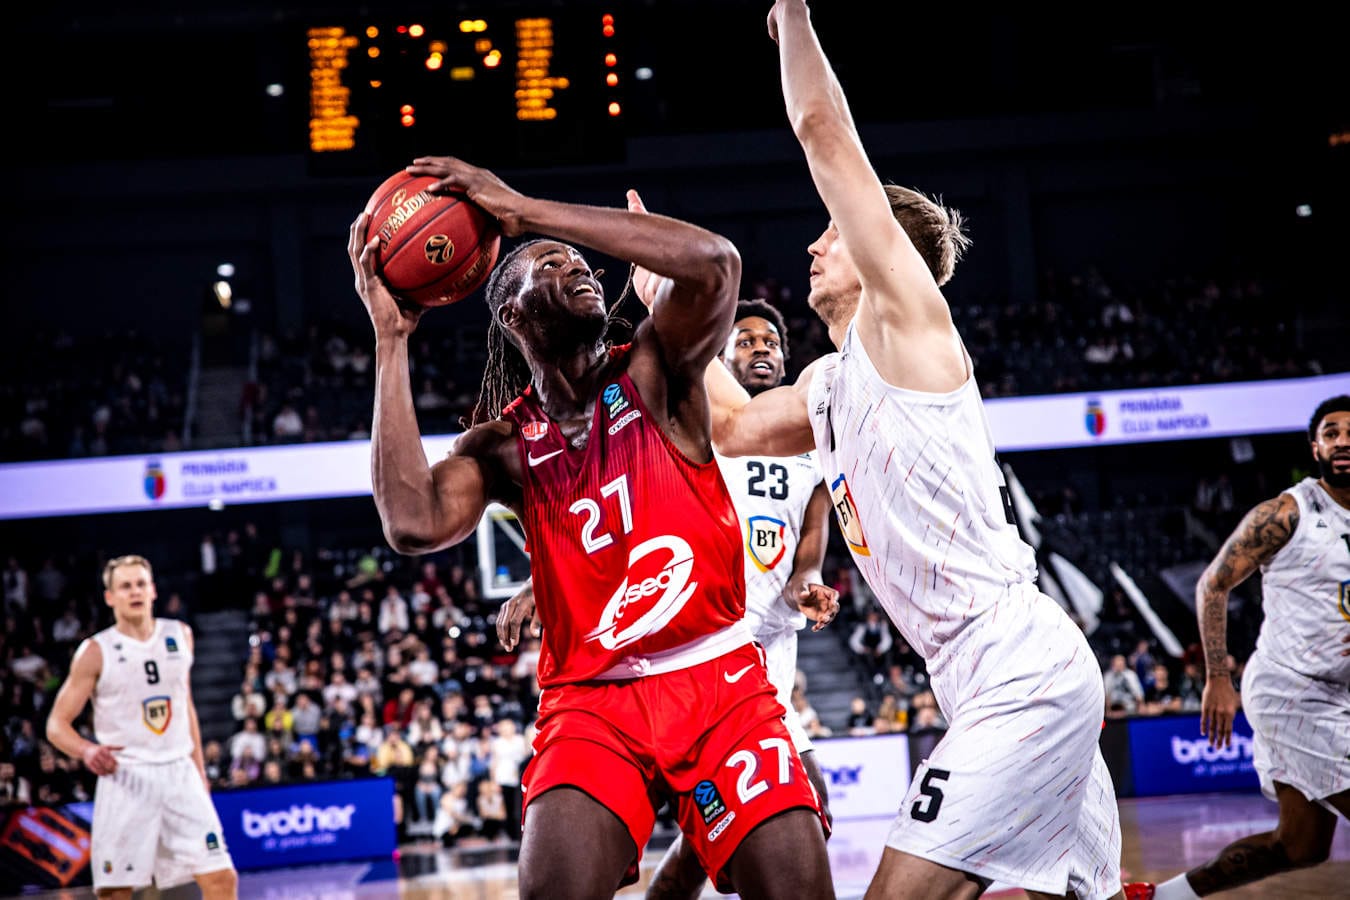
{"points": [[516, 89]]}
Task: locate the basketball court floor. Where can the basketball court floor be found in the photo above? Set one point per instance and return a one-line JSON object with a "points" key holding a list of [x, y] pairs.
{"points": [[1162, 836]]}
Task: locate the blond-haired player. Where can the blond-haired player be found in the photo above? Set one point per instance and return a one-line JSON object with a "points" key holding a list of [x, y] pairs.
{"points": [[153, 816]]}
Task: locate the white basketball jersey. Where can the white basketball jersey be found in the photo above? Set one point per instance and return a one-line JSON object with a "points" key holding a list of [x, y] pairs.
{"points": [[140, 700], [770, 494], [920, 499], [1305, 589]]}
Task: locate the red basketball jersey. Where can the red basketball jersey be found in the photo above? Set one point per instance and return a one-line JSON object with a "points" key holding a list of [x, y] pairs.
{"points": [[634, 548]]}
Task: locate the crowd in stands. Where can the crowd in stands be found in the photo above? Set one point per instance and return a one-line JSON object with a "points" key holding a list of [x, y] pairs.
{"points": [[1085, 331], [116, 393]]}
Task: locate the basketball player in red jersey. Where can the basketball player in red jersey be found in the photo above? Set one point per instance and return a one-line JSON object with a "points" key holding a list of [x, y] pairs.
{"points": [[605, 455]]}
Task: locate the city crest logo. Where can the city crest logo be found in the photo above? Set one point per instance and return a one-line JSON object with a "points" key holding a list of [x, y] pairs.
{"points": [[154, 480], [1095, 417]]}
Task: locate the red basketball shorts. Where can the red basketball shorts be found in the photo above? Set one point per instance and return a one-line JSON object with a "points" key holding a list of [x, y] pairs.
{"points": [[710, 737]]}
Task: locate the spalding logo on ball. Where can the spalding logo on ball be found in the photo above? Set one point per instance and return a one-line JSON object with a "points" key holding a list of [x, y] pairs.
{"points": [[435, 249]]}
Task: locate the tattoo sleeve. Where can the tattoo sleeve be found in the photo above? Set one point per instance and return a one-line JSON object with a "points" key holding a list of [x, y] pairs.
{"points": [[1255, 541]]}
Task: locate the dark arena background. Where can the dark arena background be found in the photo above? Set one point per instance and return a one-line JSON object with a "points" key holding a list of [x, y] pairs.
{"points": [[1155, 301]]}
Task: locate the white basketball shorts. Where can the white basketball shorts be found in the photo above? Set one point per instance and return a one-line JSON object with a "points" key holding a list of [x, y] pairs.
{"points": [[154, 823], [1300, 729], [780, 658], [1017, 791]]}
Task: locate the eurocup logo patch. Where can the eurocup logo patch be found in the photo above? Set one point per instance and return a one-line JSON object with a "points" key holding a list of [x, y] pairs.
{"points": [[154, 480], [1095, 417], [614, 399], [710, 803], [170, 644], [764, 541]]}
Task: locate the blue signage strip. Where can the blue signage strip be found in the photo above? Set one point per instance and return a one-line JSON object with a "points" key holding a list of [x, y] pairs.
{"points": [[1169, 755], [308, 823]]}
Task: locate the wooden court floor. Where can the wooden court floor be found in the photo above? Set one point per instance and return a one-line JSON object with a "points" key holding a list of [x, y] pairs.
{"points": [[1161, 837]]}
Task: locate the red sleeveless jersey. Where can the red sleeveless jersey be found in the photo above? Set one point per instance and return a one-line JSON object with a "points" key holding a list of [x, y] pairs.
{"points": [[634, 549]]}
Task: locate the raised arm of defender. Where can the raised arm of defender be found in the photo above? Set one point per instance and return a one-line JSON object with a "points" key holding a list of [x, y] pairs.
{"points": [[902, 317]]}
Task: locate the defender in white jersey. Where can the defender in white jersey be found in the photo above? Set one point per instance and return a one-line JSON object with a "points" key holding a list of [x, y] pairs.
{"points": [[1296, 686], [1017, 791], [784, 511], [153, 817]]}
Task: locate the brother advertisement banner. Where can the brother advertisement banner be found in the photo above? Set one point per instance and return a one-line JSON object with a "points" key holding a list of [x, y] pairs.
{"points": [[866, 776], [1169, 755], [306, 823]]}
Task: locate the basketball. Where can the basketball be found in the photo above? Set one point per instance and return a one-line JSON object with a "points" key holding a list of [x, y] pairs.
{"points": [[435, 249]]}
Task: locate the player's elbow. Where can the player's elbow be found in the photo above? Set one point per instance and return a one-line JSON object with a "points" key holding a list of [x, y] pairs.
{"points": [[720, 267], [408, 539]]}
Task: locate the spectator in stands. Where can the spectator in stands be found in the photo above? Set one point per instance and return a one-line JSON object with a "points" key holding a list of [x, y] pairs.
{"points": [[1142, 661], [393, 613], [463, 821], [213, 762], [398, 711], [1124, 693], [16, 586], [15, 790], [248, 703], [29, 665], [279, 719], [271, 772], [67, 630], [428, 789], [244, 766], [287, 424], [423, 671], [810, 719], [509, 753], [343, 607], [1160, 696], [305, 718], [1191, 688], [281, 679], [925, 712], [425, 727], [871, 642], [492, 811], [860, 718]]}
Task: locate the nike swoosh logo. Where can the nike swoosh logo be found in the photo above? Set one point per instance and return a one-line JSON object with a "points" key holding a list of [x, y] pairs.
{"points": [[732, 679], [536, 460]]}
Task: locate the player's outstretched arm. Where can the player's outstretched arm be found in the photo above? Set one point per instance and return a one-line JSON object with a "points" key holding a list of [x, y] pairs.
{"points": [[772, 423], [421, 509], [70, 702], [700, 271], [1261, 534], [900, 295]]}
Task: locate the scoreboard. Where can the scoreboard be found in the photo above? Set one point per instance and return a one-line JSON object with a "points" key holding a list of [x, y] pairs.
{"points": [[510, 88]]}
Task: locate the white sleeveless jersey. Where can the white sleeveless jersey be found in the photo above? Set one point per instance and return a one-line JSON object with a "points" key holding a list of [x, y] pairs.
{"points": [[770, 494], [1305, 589], [920, 499], [141, 698]]}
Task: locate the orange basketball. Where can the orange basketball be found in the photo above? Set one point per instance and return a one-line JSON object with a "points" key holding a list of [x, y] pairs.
{"points": [[435, 249]]}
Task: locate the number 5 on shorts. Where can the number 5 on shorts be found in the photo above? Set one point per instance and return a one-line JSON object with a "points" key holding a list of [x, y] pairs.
{"points": [[926, 809]]}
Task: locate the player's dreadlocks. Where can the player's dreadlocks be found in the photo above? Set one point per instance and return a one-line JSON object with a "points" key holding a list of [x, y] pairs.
{"points": [[506, 374]]}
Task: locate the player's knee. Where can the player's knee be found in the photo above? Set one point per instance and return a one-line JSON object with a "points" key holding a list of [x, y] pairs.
{"points": [[1302, 852], [223, 884]]}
